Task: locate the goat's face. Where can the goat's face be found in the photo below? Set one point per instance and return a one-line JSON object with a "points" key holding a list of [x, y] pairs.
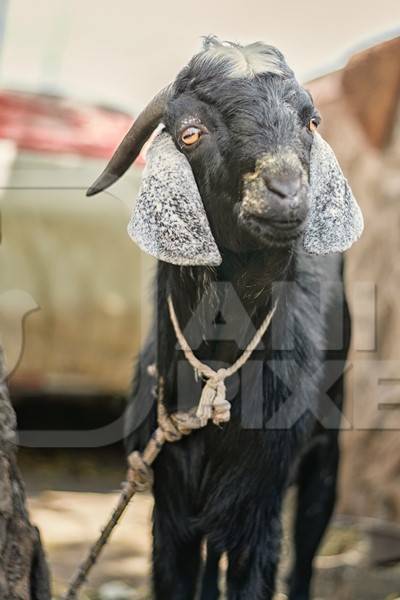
{"points": [[248, 142], [239, 145]]}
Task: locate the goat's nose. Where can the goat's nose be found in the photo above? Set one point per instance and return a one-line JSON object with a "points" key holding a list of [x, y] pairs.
{"points": [[285, 187]]}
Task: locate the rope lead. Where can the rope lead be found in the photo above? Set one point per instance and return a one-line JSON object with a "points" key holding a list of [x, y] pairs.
{"points": [[213, 406]]}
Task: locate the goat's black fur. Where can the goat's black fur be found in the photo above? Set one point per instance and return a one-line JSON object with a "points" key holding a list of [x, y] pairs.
{"points": [[226, 484]]}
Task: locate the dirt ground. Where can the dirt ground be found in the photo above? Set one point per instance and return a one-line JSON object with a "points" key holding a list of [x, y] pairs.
{"points": [[70, 500]]}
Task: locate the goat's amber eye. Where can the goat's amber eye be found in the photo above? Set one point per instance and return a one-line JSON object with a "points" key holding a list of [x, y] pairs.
{"points": [[191, 135], [313, 124]]}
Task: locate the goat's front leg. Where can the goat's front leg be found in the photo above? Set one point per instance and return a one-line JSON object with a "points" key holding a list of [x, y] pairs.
{"points": [[176, 561], [252, 566], [210, 577], [315, 503]]}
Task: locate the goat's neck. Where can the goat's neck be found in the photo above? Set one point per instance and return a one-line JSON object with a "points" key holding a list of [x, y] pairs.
{"points": [[254, 275], [239, 290]]}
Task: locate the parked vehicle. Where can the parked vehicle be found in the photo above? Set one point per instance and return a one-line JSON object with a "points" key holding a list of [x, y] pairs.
{"points": [[71, 280]]}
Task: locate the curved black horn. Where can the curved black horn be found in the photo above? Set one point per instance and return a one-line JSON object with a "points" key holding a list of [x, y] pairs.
{"points": [[132, 143]]}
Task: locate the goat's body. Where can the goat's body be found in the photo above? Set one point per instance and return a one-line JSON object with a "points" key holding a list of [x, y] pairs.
{"points": [[240, 179], [227, 484]]}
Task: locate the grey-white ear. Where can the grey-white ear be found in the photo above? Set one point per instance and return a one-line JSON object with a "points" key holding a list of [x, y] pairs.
{"points": [[335, 220], [169, 221]]}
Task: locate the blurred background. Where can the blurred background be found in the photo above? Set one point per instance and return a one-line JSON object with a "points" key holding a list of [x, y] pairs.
{"points": [[75, 291]]}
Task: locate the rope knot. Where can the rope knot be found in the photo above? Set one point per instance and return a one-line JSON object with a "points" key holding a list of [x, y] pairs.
{"points": [[178, 424], [139, 472], [221, 375], [213, 403]]}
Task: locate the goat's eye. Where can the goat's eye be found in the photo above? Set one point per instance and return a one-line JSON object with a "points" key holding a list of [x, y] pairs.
{"points": [[191, 135], [313, 123]]}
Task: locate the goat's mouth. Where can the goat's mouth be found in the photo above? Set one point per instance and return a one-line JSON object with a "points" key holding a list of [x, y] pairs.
{"points": [[273, 232]]}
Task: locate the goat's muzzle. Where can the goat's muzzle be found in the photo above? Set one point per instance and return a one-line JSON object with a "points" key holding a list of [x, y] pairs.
{"points": [[275, 203]]}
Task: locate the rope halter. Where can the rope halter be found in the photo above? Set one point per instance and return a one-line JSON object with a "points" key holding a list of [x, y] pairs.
{"points": [[213, 404]]}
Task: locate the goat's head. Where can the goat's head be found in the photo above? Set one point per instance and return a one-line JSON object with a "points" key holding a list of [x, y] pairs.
{"points": [[239, 142]]}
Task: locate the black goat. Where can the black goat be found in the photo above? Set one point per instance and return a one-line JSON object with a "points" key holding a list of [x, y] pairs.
{"points": [[273, 194]]}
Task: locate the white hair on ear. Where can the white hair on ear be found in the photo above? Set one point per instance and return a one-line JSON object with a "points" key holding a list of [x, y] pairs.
{"points": [[335, 220], [238, 61], [169, 221]]}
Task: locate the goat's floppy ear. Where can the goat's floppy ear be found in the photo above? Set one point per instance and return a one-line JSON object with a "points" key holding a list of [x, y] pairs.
{"points": [[335, 220], [169, 221]]}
